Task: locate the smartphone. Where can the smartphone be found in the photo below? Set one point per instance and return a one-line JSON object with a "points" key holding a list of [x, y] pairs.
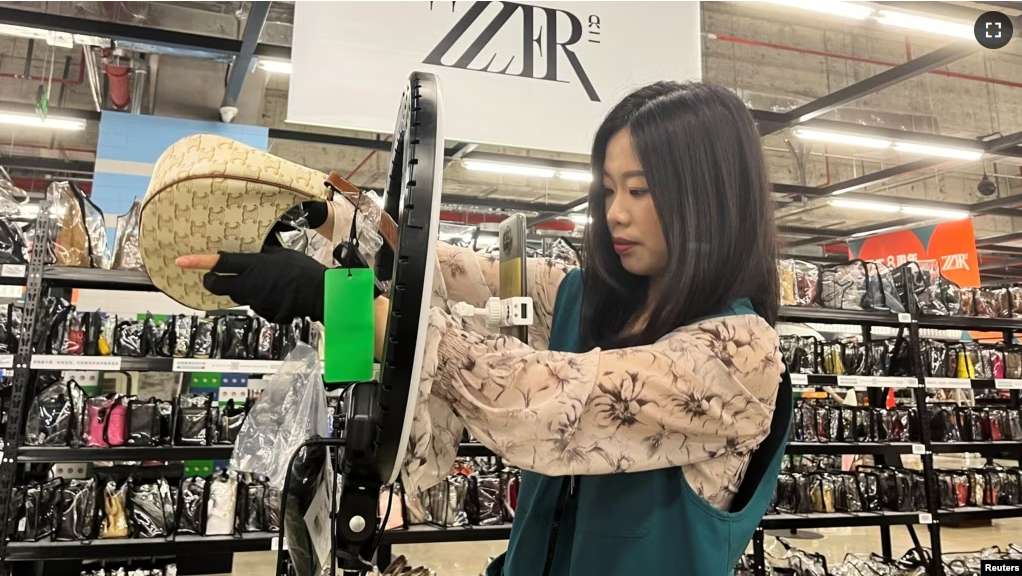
{"points": [[513, 283]]}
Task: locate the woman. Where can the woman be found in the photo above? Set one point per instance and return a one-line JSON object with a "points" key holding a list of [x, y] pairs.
{"points": [[647, 433]]}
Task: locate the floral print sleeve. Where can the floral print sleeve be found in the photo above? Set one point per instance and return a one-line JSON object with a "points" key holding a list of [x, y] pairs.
{"points": [[701, 398]]}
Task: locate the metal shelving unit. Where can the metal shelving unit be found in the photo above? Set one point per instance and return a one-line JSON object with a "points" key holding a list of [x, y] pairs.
{"points": [[138, 548], [933, 516], [38, 279]]}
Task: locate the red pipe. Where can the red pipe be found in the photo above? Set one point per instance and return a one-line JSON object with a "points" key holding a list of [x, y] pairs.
{"points": [[120, 85], [77, 81], [947, 73]]}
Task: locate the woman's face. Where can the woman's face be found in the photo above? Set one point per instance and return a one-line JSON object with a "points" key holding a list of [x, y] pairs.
{"points": [[632, 219]]}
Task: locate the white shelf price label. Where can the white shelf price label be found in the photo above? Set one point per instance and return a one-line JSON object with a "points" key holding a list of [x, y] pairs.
{"points": [[1008, 384], [6, 361], [12, 270], [230, 366], [799, 379], [274, 543], [926, 518], [918, 449], [948, 383], [904, 318], [55, 362], [850, 381]]}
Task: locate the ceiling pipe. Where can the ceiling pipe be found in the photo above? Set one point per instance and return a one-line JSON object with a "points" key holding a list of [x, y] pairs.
{"points": [[92, 67], [776, 46], [139, 83]]}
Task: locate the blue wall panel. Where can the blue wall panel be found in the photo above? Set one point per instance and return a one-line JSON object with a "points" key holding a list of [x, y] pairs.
{"points": [[140, 140]]}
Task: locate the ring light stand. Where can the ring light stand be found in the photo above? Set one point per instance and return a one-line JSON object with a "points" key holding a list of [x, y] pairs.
{"points": [[379, 415]]}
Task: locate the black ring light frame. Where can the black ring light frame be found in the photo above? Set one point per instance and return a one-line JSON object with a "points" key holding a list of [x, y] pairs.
{"points": [[379, 416]]}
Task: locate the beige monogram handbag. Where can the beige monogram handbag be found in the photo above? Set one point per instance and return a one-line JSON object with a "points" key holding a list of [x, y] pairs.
{"points": [[209, 193]]}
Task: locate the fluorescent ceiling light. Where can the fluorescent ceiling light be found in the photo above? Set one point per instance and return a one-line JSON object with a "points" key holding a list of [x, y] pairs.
{"points": [[876, 206], [60, 39], [576, 175], [935, 212], [837, 138], [845, 9], [276, 66], [925, 24], [910, 210], [50, 122], [515, 169], [959, 153]]}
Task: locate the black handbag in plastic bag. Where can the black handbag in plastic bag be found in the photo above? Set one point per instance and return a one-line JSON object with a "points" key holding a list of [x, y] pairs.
{"points": [[271, 508], [149, 509], [191, 506], [881, 291], [144, 425], [54, 416], [230, 420], [251, 513], [193, 421], [77, 508], [41, 504]]}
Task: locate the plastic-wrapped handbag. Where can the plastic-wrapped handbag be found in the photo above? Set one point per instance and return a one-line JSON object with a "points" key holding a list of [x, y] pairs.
{"points": [[230, 421], [81, 232], [144, 423], [77, 505], [152, 510], [114, 514], [126, 250], [786, 276], [881, 291], [106, 421], [223, 492], [843, 286], [193, 419], [54, 415], [191, 510]]}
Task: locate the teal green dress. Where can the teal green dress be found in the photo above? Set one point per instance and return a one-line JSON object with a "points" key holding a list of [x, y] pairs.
{"points": [[640, 523]]}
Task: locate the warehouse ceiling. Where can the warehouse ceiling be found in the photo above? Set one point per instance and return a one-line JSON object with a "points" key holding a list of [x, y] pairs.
{"points": [[803, 72]]}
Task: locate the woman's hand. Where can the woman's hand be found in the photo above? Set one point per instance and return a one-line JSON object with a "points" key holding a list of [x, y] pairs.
{"points": [[278, 284]]}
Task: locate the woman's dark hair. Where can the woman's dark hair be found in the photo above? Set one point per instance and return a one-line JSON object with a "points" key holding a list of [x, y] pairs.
{"points": [[701, 153]]}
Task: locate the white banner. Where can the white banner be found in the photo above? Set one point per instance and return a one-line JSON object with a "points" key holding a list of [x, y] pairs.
{"points": [[536, 76]]}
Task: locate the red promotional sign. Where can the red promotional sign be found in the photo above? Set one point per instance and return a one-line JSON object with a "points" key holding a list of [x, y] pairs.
{"points": [[952, 244]]}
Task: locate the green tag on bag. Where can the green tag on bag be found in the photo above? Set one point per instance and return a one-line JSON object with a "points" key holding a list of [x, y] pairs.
{"points": [[348, 325]]}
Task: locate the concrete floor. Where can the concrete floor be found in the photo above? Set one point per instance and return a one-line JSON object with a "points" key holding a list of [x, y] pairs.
{"points": [[469, 559]]}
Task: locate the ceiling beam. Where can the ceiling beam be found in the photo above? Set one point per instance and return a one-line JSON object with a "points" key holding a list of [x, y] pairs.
{"points": [[43, 164], [26, 108], [501, 204], [841, 188], [1013, 250], [560, 211], [809, 231], [994, 240], [878, 82], [117, 31], [246, 55]]}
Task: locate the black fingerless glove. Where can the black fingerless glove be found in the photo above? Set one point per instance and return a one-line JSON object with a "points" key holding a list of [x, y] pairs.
{"points": [[278, 284]]}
